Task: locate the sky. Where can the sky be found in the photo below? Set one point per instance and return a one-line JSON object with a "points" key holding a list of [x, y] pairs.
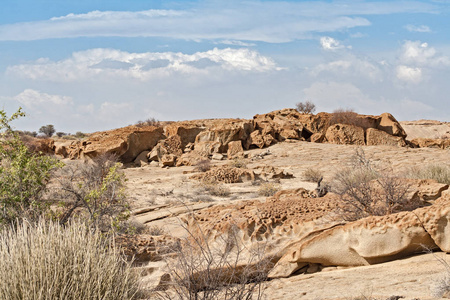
{"points": [[91, 65]]}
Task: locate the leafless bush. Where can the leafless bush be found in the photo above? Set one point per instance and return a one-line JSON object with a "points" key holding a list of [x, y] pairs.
{"points": [[367, 191], [202, 198], [156, 230], [94, 191], [306, 107], [219, 270], [312, 175], [348, 116], [149, 122], [268, 189], [214, 188], [440, 173], [203, 165], [238, 163]]}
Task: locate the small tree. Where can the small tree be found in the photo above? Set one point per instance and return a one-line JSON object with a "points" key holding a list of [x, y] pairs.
{"points": [[48, 130], [306, 107], [23, 175]]}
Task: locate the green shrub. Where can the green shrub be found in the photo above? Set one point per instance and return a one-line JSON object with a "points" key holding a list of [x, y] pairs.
{"points": [[23, 175], [48, 261]]}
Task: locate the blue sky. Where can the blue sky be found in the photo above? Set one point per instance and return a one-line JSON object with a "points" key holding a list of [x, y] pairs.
{"points": [[96, 65]]}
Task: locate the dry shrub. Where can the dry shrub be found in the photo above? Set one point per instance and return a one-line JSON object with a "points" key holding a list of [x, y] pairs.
{"points": [[440, 173], [216, 270], [305, 107], [203, 165], [214, 188], [312, 175], [149, 122], [156, 230], [366, 191], [268, 189], [348, 116], [238, 163], [48, 261]]}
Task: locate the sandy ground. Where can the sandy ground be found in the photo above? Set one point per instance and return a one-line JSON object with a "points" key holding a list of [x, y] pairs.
{"points": [[163, 195]]}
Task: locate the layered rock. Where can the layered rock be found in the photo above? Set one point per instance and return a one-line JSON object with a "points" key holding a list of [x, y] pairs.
{"points": [[430, 143]]}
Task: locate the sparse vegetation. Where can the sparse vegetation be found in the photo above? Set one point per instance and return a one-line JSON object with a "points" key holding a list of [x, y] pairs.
{"points": [[367, 191], [238, 163], [47, 130], [268, 189], [156, 230], [214, 188], [306, 107], [349, 117], [440, 173], [201, 270], [48, 261], [149, 122], [93, 190], [203, 165], [312, 175], [23, 175]]}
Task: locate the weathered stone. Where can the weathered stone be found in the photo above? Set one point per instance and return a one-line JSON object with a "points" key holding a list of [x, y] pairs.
{"points": [[235, 150], [430, 143], [217, 156], [168, 160], [142, 158], [378, 137], [344, 134], [207, 148], [390, 125]]}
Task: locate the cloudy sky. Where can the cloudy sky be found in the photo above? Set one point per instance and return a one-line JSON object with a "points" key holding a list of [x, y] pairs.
{"points": [[91, 65]]}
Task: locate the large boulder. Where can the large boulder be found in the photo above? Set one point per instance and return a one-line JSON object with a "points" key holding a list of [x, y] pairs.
{"points": [[187, 131], [127, 142], [225, 131], [235, 150], [345, 134], [390, 125], [378, 137], [430, 143]]}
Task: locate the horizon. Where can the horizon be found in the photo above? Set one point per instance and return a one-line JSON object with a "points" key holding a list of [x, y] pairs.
{"points": [[97, 65]]}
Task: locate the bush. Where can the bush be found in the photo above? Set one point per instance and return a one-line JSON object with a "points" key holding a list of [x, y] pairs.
{"points": [[312, 175], [238, 163], [203, 165], [306, 107], [47, 130], [149, 122], [214, 188], [48, 261], [23, 175], [204, 270], [268, 189], [94, 190], [367, 191], [440, 173]]}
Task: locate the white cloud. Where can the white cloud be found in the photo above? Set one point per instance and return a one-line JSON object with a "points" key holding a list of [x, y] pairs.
{"points": [[331, 44], [104, 63], [421, 28], [421, 54], [268, 21], [235, 43], [32, 99], [405, 73], [351, 66]]}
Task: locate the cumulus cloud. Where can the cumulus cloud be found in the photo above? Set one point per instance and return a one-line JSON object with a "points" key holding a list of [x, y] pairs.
{"points": [[409, 74], [421, 28], [331, 44], [143, 66], [421, 54], [350, 66], [268, 21], [32, 99]]}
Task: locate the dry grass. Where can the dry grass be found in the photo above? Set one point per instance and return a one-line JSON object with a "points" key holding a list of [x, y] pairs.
{"points": [[440, 173], [238, 163], [312, 175], [203, 165], [214, 188], [48, 261], [268, 189]]}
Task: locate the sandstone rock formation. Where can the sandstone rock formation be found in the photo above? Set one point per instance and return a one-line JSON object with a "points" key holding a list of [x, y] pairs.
{"points": [[345, 134]]}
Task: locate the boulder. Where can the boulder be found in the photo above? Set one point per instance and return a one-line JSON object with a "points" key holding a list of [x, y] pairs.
{"points": [[430, 143], [378, 137], [390, 125], [317, 137], [142, 159], [225, 131], [61, 149], [125, 142], [217, 156], [345, 134], [190, 159], [255, 139], [235, 150], [187, 131], [168, 160], [207, 148]]}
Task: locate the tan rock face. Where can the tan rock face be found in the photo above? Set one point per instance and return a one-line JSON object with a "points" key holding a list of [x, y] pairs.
{"points": [[344, 134], [125, 142], [378, 137], [430, 143], [390, 125], [187, 131], [235, 150]]}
